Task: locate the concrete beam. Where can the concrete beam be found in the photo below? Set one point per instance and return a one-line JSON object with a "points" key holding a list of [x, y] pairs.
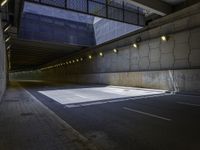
{"points": [[154, 6], [17, 12]]}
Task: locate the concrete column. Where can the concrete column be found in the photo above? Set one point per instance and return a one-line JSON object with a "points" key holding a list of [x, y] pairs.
{"points": [[2, 62]]}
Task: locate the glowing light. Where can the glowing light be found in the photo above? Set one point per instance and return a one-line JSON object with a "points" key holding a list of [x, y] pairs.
{"points": [[164, 38], [101, 54], [6, 29], [4, 2], [135, 45], [90, 56], [115, 50], [77, 60], [8, 39], [8, 47], [81, 59]]}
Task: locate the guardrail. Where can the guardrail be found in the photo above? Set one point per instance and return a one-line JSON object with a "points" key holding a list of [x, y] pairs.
{"points": [[116, 10]]}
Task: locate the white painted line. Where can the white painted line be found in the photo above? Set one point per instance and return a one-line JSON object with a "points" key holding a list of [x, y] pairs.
{"points": [[112, 101], [189, 104], [81, 96], [147, 114]]}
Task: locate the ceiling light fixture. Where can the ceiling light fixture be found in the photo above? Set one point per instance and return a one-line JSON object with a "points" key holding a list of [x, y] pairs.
{"points": [[8, 39], [101, 54], [4, 2], [8, 47], [6, 29], [135, 45], [138, 39], [164, 38], [115, 50]]}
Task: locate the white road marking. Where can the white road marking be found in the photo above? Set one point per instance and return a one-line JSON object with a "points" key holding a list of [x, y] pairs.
{"points": [[93, 94], [189, 104], [147, 114], [111, 101], [81, 96]]}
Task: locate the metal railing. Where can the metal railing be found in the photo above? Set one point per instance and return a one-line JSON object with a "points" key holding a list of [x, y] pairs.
{"points": [[111, 9]]}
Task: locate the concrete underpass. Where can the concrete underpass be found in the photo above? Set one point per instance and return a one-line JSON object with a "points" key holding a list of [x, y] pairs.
{"points": [[100, 75]]}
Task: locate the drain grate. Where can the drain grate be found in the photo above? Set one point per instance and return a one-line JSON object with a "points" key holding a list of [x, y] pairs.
{"points": [[27, 114]]}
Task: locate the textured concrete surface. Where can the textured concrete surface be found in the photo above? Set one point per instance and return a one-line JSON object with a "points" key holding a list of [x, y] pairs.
{"points": [[181, 51], [76, 94], [153, 123], [173, 80], [26, 124], [36, 27], [68, 26], [106, 30], [171, 65], [3, 64]]}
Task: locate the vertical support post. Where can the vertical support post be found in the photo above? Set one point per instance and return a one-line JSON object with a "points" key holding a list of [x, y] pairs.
{"points": [[138, 16], [123, 11], [65, 4], [88, 6], [19, 17], [107, 8]]}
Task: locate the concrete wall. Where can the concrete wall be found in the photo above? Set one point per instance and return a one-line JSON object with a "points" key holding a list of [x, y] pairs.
{"points": [[68, 26], [45, 28], [2, 64], [172, 80], [172, 65], [106, 30]]}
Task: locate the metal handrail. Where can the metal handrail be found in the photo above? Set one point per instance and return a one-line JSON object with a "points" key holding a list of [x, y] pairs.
{"points": [[105, 7]]}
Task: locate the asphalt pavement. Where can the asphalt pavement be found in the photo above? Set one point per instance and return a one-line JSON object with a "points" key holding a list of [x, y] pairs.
{"points": [[124, 118]]}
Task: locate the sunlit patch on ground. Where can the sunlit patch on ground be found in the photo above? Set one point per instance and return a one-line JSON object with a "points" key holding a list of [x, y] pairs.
{"points": [[97, 94]]}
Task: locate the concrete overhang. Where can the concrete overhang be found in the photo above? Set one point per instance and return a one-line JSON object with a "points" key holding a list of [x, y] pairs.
{"points": [[26, 54], [155, 6]]}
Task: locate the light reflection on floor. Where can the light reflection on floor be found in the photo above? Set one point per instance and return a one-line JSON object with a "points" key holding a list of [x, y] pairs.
{"points": [[91, 94]]}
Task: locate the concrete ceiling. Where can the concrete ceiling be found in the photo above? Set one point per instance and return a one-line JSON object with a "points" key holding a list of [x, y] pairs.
{"points": [[159, 7], [154, 6], [30, 54], [173, 2], [27, 55]]}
